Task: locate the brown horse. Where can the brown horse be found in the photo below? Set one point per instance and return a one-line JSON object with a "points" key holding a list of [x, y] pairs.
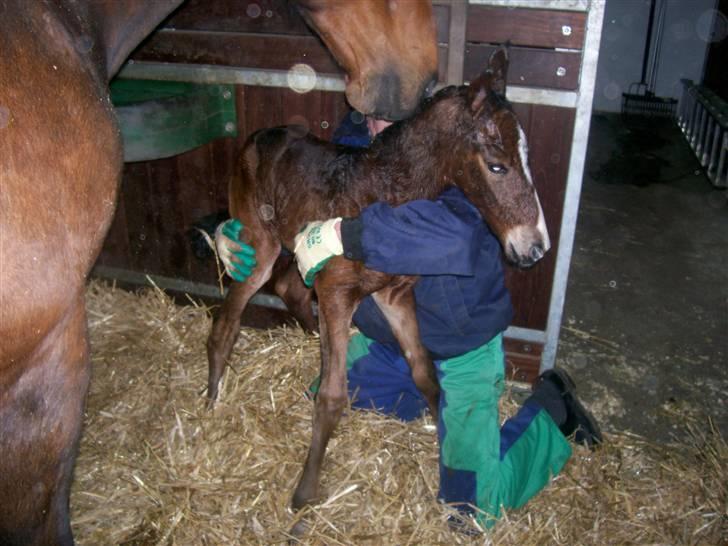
{"points": [[467, 137], [60, 165]]}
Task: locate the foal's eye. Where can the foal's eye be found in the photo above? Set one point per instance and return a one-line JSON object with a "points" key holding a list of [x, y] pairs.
{"points": [[497, 168]]}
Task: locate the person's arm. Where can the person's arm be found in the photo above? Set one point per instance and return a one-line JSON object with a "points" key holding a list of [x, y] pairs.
{"points": [[417, 238]]}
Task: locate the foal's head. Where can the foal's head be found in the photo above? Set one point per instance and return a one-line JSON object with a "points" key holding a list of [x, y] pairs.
{"points": [[496, 177]]}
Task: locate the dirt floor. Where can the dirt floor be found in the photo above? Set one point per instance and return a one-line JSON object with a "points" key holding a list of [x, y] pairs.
{"points": [[645, 328]]}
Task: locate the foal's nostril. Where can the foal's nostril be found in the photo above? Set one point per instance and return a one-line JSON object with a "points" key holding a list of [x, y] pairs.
{"points": [[536, 252]]}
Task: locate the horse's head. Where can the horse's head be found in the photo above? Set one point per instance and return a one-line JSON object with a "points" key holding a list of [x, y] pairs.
{"points": [[388, 49], [496, 177]]}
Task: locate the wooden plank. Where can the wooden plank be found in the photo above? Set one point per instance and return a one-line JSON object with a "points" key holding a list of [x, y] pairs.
{"points": [[196, 192], [528, 67], [456, 45], [522, 360], [269, 51], [262, 16], [526, 27], [162, 243], [116, 252], [549, 131]]}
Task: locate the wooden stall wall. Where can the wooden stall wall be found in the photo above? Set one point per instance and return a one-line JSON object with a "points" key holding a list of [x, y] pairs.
{"points": [[162, 200]]}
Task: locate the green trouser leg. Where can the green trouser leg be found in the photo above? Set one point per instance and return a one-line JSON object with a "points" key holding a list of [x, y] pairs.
{"points": [[357, 348], [481, 463]]}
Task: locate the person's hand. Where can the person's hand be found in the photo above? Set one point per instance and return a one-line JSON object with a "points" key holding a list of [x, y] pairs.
{"points": [[237, 256], [317, 243]]}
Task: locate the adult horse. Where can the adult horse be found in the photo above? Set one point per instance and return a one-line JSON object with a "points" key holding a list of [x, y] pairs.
{"points": [[60, 164]]}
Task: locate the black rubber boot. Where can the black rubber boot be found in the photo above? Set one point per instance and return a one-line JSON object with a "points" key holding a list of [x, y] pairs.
{"points": [[578, 422]]}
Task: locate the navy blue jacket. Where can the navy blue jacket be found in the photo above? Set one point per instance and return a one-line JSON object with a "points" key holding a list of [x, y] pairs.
{"points": [[461, 298]]}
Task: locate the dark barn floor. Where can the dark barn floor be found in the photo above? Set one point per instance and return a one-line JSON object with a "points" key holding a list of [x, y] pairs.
{"points": [[645, 330]]}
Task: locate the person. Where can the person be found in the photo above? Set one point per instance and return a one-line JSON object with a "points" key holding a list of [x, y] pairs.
{"points": [[463, 308]]}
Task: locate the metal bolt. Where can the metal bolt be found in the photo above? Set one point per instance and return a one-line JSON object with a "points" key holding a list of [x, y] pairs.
{"points": [[226, 94], [561, 72], [324, 124], [229, 127], [566, 30]]}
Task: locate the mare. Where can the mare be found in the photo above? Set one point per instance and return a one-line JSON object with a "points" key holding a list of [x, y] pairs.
{"points": [[60, 166], [464, 136]]}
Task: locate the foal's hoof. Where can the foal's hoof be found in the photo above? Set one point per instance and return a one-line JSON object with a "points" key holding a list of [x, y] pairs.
{"points": [[299, 530], [210, 402]]}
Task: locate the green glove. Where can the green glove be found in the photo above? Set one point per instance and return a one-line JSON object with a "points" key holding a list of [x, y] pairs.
{"points": [[316, 245], [237, 256]]}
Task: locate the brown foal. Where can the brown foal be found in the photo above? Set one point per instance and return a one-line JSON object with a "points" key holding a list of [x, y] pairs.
{"points": [[466, 136]]}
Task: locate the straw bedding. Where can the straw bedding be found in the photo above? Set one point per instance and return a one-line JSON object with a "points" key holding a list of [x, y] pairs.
{"points": [[156, 468]]}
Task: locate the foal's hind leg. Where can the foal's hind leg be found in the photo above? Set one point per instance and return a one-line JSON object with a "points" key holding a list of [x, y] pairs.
{"points": [[226, 325], [296, 296], [397, 302]]}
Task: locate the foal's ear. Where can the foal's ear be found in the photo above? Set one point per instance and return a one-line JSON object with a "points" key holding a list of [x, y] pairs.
{"points": [[493, 80], [498, 67]]}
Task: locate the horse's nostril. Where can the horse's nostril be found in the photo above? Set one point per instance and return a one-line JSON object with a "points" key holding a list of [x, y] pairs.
{"points": [[430, 87], [536, 252]]}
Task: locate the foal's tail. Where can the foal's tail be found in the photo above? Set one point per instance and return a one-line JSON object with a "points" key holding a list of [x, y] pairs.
{"points": [[244, 206]]}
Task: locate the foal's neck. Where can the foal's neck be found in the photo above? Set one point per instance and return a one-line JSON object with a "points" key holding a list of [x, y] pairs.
{"points": [[414, 159]]}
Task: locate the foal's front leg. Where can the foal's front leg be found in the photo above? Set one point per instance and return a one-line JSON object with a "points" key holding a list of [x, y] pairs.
{"points": [[336, 307], [397, 303]]}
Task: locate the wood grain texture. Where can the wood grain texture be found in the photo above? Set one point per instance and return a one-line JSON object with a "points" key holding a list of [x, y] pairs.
{"points": [[529, 67], [526, 27]]}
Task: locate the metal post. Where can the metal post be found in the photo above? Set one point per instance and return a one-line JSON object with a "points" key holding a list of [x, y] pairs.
{"points": [[573, 183]]}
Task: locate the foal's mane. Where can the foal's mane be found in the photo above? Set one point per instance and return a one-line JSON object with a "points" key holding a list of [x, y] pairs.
{"points": [[393, 133]]}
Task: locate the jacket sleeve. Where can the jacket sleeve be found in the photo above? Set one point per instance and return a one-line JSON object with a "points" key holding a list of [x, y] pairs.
{"points": [[417, 238]]}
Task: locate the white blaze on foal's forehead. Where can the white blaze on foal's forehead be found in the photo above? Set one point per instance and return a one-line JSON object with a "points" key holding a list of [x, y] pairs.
{"points": [[523, 153]]}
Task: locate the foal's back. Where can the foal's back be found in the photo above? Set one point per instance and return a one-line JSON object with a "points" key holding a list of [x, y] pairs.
{"points": [[296, 179]]}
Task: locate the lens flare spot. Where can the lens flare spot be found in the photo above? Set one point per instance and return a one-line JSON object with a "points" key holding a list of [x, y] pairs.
{"points": [[253, 10], [267, 212], [301, 78]]}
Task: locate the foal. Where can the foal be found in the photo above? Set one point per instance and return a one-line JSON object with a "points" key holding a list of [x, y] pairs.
{"points": [[466, 136]]}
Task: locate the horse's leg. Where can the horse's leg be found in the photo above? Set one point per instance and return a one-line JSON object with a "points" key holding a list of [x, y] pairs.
{"points": [[296, 296], [41, 413], [336, 307], [397, 303], [226, 325]]}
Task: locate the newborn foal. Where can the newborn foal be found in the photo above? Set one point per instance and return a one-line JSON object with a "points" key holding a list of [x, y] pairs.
{"points": [[464, 136]]}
